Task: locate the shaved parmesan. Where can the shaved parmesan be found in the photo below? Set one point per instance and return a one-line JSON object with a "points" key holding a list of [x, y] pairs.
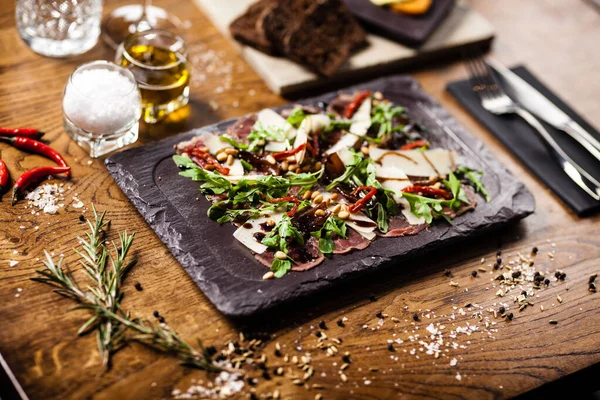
{"points": [[361, 122], [436, 162], [366, 231], [236, 168], [276, 147], [213, 142], [245, 233], [312, 123], [397, 187], [275, 124], [347, 141], [346, 156], [410, 217], [389, 172]]}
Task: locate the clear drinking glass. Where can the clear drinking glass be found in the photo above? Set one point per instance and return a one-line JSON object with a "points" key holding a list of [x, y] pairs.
{"points": [[158, 60], [132, 18], [59, 28], [101, 107]]}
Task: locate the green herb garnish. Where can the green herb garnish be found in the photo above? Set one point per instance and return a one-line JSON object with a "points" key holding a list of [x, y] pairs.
{"points": [[296, 117], [332, 225], [429, 208], [474, 177], [102, 295], [382, 115]]}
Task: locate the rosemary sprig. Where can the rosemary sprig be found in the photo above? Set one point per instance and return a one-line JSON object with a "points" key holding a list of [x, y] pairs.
{"points": [[102, 297]]}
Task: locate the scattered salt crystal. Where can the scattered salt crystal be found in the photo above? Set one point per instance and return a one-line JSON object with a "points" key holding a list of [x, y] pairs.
{"points": [[45, 197], [79, 204], [458, 377], [453, 362], [15, 252], [12, 263]]}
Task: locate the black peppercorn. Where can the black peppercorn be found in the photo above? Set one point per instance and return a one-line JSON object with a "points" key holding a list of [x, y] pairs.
{"points": [[474, 274], [379, 315], [498, 253], [322, 325], [534, 250], [346, 358], [156, 314], [340, 323], [416, 316], [391, 347], [496, 266], [501, 310], [547, 281], [510, 316], [516, 274], [277, 353], [138, 287], [447, 272], [266, 375]]}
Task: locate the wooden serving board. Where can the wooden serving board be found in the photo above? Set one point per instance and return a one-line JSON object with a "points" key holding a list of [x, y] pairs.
{"points": [[227, 272], [462, 28]]}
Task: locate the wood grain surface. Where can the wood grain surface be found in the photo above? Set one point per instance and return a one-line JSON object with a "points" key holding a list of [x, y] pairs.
{"points": [[38, 337]]}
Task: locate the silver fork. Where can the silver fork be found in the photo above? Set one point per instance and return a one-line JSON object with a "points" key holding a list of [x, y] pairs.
{"points": [[495, 100]]}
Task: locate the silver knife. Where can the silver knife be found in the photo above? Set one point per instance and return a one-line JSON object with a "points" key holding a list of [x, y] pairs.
{"points": [[535, 102]]}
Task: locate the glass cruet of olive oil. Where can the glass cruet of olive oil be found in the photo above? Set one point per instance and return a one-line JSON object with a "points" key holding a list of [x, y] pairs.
{"points": [[158, 60]]}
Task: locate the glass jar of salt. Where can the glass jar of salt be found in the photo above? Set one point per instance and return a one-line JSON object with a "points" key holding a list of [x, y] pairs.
{"points": [[101, 107]]}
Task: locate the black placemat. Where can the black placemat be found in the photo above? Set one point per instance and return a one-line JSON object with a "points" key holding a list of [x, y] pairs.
{"points": [[411, 30], [518, 137]]}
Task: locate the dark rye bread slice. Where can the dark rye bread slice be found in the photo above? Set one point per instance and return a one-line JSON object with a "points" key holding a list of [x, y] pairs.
{"points": [[325, 38], [248, 27], [285, 17]]}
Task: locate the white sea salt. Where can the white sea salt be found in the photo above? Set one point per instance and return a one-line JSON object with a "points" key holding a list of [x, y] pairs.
{"points": [[12, 263], [101, 101], [46, 197]]}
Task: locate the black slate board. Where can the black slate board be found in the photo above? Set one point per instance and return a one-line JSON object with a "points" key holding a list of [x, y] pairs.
{"points": [[228, 273], [411, 30]]}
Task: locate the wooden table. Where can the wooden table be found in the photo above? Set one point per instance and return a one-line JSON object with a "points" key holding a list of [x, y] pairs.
{"points": [[557, 39]]}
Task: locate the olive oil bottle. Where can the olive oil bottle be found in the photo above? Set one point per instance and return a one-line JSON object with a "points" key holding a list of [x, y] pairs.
{"points": [[161, 71]]}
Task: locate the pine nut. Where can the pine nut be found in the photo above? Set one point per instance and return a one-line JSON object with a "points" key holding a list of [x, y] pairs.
{"points": [[365, 150], [318, 199], [280, 255], [318, 165], [337, 209], [270, 222], [230, 160], [221, 157], [344, 214], [271, 160], [231, 151], [306, 195], [291, 159], [314, 194], [320, 213], [292, 167], [268, 275], [334, 196], [285, 165]]}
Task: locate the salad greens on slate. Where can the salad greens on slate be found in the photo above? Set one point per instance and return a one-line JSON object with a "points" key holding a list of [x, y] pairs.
{"points": [[313, 181]]}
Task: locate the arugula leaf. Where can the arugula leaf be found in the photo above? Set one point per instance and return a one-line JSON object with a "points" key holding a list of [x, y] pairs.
{"points": [[335, 225], [280, 267], [474, 177], [429, 208], [382, 115], [296, 117], [283, 232], [213, 181], [354, 168], [233, 142], [247, 166]]}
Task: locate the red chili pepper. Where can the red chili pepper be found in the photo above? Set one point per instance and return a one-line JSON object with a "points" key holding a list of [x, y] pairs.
{"points": [[284, 154], [361, 202], [23, 132], [287, 198], [34, 146], [355, 103], [428, 191], [210, 160], [35, 175], [415, 145], [3, 177]]}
